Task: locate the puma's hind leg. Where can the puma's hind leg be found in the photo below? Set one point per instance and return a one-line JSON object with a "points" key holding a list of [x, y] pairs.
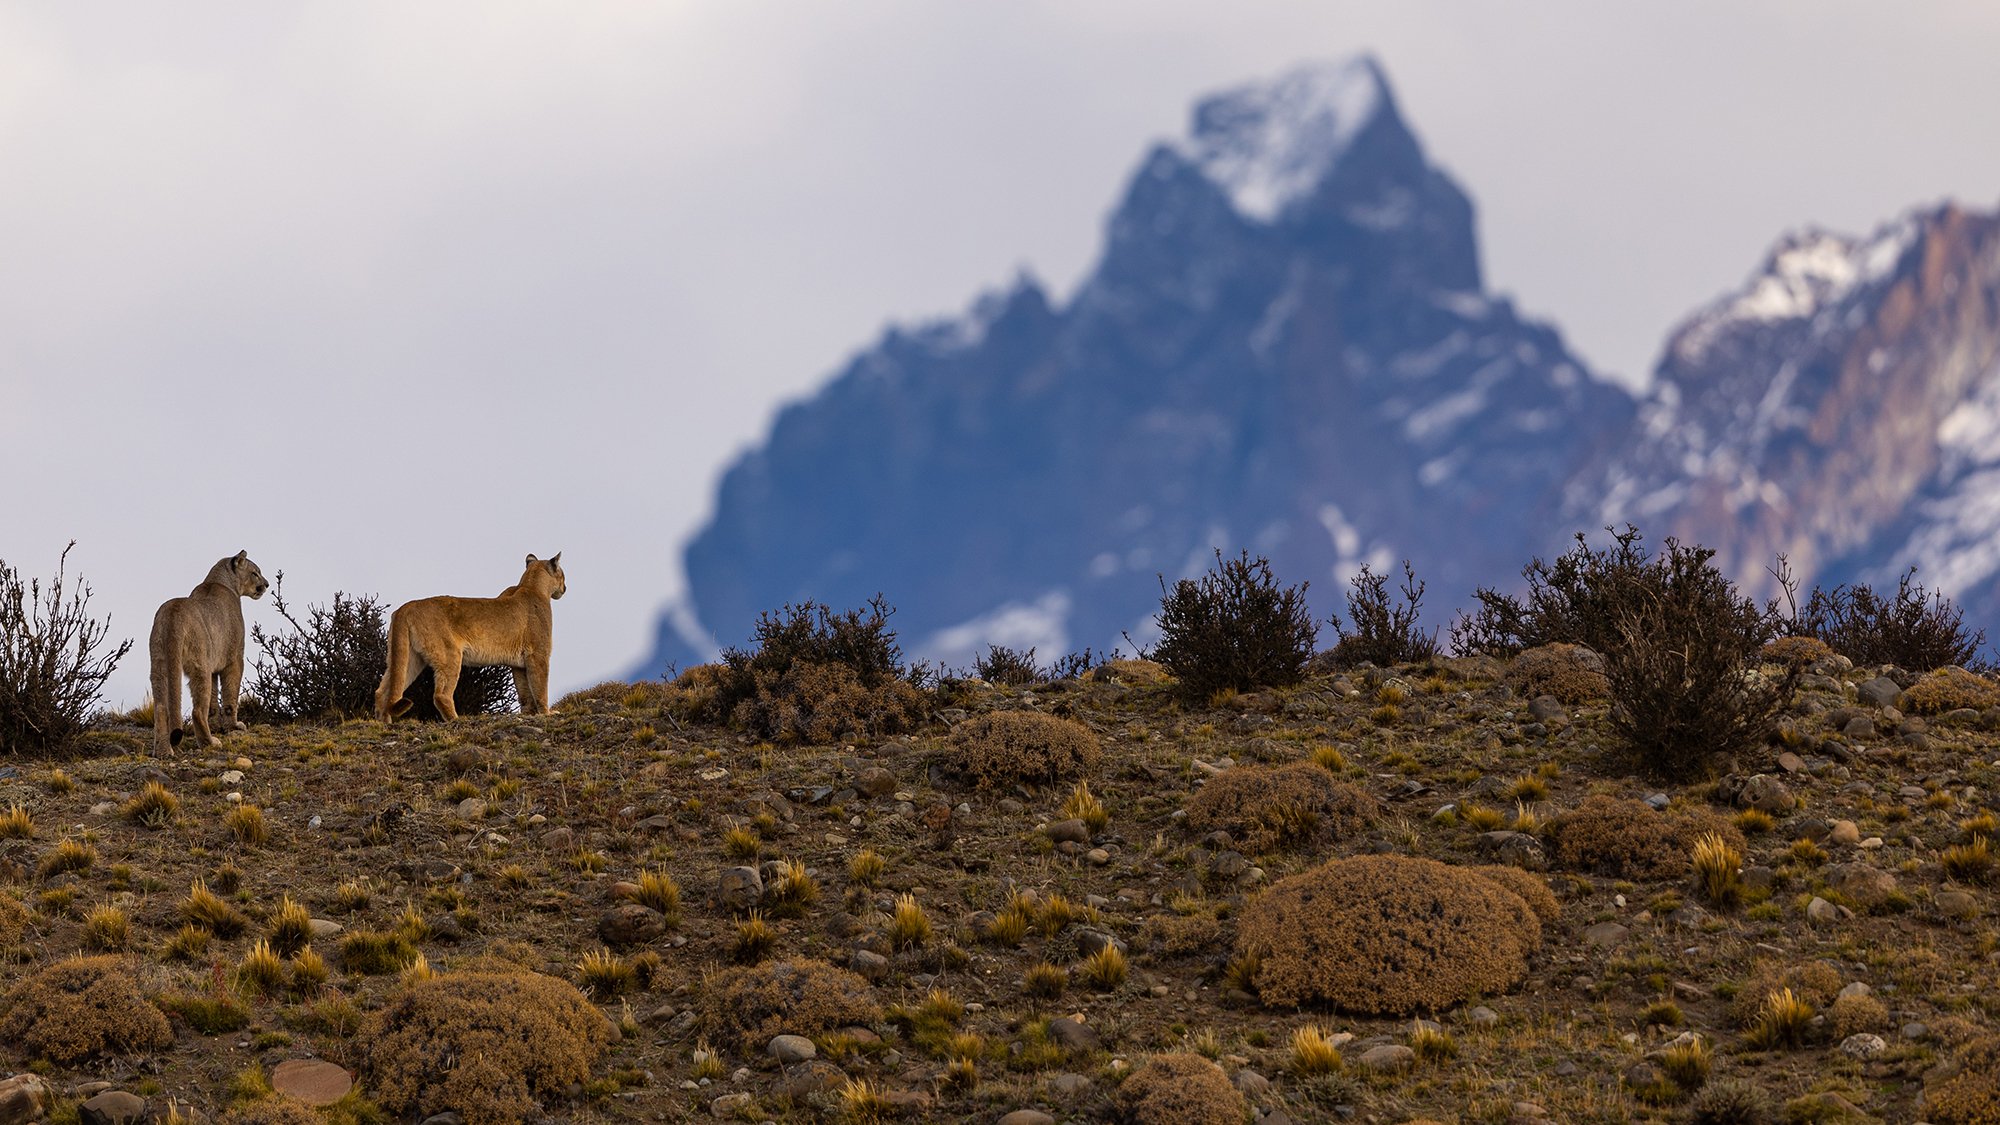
{"points": [[446, 668], [524, 691]]}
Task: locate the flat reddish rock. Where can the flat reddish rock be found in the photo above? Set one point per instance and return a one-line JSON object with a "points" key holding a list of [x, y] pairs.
{"points": [[312, 1081]]}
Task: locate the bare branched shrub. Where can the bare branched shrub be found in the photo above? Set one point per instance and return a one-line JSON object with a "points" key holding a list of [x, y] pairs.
{"points": [[1916, 628], [1003, 665], [53, 662], [1384, 631], [1574, 600], [815, 675], [1684, 685], [328, 666], [1235, 628]]}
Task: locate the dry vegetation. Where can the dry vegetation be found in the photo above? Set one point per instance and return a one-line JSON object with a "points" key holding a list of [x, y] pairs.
{"points": [[1425, 892]]}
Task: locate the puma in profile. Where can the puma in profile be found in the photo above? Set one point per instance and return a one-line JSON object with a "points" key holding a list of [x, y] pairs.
{"points": [[447, 634], [200, 637]]}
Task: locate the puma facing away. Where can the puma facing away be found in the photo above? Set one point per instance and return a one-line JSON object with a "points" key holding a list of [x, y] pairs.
{"points": [[200, 638], [446, 634]]}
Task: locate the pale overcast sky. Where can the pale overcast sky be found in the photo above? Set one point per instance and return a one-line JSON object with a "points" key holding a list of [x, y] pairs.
{"points": [[393, 294]]}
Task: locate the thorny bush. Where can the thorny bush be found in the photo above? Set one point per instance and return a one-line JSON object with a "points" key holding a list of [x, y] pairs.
{"points": [[1384, 631], [1235, 628], [53, 660]]}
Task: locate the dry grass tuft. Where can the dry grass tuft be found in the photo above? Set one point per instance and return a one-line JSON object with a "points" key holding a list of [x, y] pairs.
{"points": [[1313, 1053]]}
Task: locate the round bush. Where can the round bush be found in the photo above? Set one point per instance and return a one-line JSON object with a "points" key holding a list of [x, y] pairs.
{"points": [[1533, 889], [85, 1006], [1970, 1095], [1571, 673], [274, 1111], [1795, 652], [13, 921], [747, 1006], [1732, 1101], [1012, 746], [1180, 1089], [1626, 839], [490, 1044], [1265, 809], [1948, 689], [1387, 935]]}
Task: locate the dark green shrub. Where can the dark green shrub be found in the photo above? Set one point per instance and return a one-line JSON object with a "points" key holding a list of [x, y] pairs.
{"points": [[328, 666], [1384, 631], [1235, 628], [1002, 665], [52, 661], [1575, 600], [1917, 629]]}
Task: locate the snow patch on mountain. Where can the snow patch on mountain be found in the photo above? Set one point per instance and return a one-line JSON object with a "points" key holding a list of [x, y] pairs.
{"points": [[1808, 272], [1268, 144]]}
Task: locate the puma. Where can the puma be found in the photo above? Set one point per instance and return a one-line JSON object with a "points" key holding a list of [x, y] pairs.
{"points": [[446, 634]]}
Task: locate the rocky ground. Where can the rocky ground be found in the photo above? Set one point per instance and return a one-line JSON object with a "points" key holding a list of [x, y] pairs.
{"points": [[526, 839]]}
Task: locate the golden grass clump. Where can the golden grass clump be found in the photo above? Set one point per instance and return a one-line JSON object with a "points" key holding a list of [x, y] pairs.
{"points": [[247, 824], [13, 921], [1286, 807], [1785, 1020], [1970, 862], [262, 970], [290, 929], [1968, 1092], [1313, 1053], [1948, 689], [211, 912], [68, 855], [793, 890], [152, 806], [1103, 970], [1814, 983], [747, 1006], [754, 939], [1180, 1088], [273, 1110], [909, 925], [1386, 935], [867, 868], [1044, 981], [81, 1008], [490, 1043], [658, 891], [1005, 747], [1626, 839], [17, 823], [1718, 871], [1571, 673], [1083, 805], [107, 929]]}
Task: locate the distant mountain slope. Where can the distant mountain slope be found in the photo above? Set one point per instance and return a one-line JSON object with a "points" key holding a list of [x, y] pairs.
{"points": [[1284, 346], [1842, 407]]}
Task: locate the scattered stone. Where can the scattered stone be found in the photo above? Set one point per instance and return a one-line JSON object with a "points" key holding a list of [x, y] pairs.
{"points": [[448, 1117], [875, 781], [870, 965], [1765, 794], [315, 1082], [1915, 1031], [232, 777], [1854, 990], [806, 1079], [725, 1107], [1844, 832], [114, 1107], [1067, 831], [1956, 904], [1027, 1117], [629, 924], [740, 888], [1658, 802], [789, 1049], [23, 1098], [1644, 1076], [1253, 1085], [1482, 1016], [1090, 942], [1604, 935], [1826, 913], [1387, 1058], [472, 808], [1072, 1034], [1863, 1046], [559, 839], [1862, 884], [323, 928], [1069, 1085], [1878, 692]]}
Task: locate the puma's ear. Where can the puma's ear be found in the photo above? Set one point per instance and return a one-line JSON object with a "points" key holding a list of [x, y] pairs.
{"points": [[555, 560], [241, 557], [531, 560]]}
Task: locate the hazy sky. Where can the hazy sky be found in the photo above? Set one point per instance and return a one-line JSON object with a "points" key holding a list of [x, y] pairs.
{"points": [[393, 294]]}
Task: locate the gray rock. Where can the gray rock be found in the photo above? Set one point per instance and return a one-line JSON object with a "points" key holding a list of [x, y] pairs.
{"points": [[806, 1079], [725, 1107], [23, 1098], [1546, 708], [1074, 1035], [789, 1049], [1067, 831], [1644, 1075], [1878, 692], [1658, 802], [1863, 1046], [1825, 913], [1766, 794], [1387, 1058], [559, 839], [1859, 728], [1862, 884], [114, 1107], [1844, 832], [740, 888], [1069, 1085], [875, 781], [1090, 942], [1026, 1117], [1854, 989], [1956, 904], [870, 965], [1253, 1085], [1915, 1031], [1482, 1016], [448, 1117], [1604, 935], [1523, 851], [629, 924]]}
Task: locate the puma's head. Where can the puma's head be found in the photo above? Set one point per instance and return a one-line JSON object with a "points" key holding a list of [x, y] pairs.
{"points": [[241, 575], [547, 573]]}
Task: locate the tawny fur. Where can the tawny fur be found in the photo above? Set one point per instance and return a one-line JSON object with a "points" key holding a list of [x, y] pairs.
{"points": [[446, 634], [199, 638]]}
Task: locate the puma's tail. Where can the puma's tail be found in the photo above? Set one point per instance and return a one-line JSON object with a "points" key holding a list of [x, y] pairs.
{"points": [[166, 677], [389, 702]]}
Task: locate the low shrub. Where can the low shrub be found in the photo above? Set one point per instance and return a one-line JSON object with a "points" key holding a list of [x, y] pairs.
{"points": [[53, 660], [1574, 600], [1007, 747], [275, 1110], [1266, 808], [82, 1008], [491, 1043], [1795, 651], [747, 1006], [1948, 689], [1813, 983], [329, 665], [1002, 665], [1383, 630], [1732, 1101], [814, 676], [1234, 628], [1386, 935], [1571, 673], [14, 920], [1181, 1088], [1914, 628], [1969, 1093], [1626, 839]]}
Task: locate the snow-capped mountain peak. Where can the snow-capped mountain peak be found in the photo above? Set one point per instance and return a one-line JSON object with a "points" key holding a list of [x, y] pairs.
{"points": [[1807, 272], [1268, 144]]}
